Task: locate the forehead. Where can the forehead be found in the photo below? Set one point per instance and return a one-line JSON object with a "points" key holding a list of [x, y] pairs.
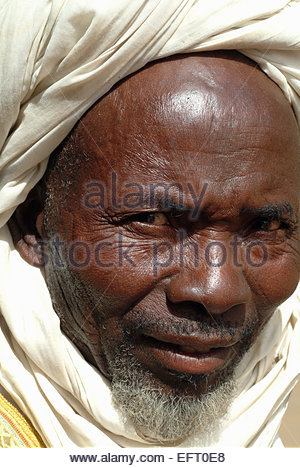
{"points": [[197, 118]]}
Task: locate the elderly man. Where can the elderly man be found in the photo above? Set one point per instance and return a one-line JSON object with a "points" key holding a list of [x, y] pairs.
{"points": [[166, 229]]}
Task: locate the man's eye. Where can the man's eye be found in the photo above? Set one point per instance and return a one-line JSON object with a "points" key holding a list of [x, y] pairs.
{"points": [[269, 225], [272, 226], [157, 219]]}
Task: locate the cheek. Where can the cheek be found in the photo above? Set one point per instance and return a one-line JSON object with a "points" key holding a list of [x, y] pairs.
{"points": [[121, 266], [276, 275]]}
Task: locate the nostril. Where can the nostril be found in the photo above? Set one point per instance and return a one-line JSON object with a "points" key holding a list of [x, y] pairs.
{"points": [[235, 315], [195, 312], [187, 309]]}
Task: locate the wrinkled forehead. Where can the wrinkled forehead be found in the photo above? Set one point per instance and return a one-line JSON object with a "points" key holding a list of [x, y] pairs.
{"points": [[213, 104], [181, 89]]}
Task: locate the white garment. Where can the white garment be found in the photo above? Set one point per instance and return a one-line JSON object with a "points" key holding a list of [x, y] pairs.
{"points": [[57, 58]]}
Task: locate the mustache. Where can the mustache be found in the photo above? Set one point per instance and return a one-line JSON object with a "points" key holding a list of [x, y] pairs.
{"points": [[141, 323]]}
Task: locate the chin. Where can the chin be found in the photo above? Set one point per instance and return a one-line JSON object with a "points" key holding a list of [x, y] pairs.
{"points": [[181, 408]]}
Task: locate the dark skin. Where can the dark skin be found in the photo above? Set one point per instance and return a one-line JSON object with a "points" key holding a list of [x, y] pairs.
{"points": [[210, 119]]}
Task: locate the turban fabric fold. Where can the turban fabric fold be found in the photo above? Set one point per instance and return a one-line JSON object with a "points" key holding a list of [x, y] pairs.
{"points": [[57, 57]]}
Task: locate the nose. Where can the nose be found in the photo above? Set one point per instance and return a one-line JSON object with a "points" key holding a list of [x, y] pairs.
{"points": [[217, 288]]}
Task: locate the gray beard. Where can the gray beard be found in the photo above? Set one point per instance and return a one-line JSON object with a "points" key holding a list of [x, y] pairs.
{"points": [[168, 419]]}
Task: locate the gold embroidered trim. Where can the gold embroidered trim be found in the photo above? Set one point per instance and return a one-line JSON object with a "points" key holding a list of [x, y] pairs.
{"points": [[15, 430]]}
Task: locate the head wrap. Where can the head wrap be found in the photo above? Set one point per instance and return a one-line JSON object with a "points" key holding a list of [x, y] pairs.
{"points": [[57, 58]]}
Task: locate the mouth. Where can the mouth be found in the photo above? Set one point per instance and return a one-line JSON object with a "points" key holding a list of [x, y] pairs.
{"points": [[190, 354]]}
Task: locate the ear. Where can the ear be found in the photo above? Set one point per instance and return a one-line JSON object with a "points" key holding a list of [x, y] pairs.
{"points": [[26, 227]]}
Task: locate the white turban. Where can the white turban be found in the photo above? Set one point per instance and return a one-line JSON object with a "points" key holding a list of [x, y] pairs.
{"points": [[57, 58]]}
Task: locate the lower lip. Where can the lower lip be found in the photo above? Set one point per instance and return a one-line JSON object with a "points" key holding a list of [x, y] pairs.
{"points": [[192, 363]]}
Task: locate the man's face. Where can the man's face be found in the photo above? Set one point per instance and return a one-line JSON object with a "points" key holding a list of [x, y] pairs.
{"points": [[180, 231]]}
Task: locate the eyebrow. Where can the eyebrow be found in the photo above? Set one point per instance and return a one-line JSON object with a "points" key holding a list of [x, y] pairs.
{"points": [[275, 211], [270, 211]]}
